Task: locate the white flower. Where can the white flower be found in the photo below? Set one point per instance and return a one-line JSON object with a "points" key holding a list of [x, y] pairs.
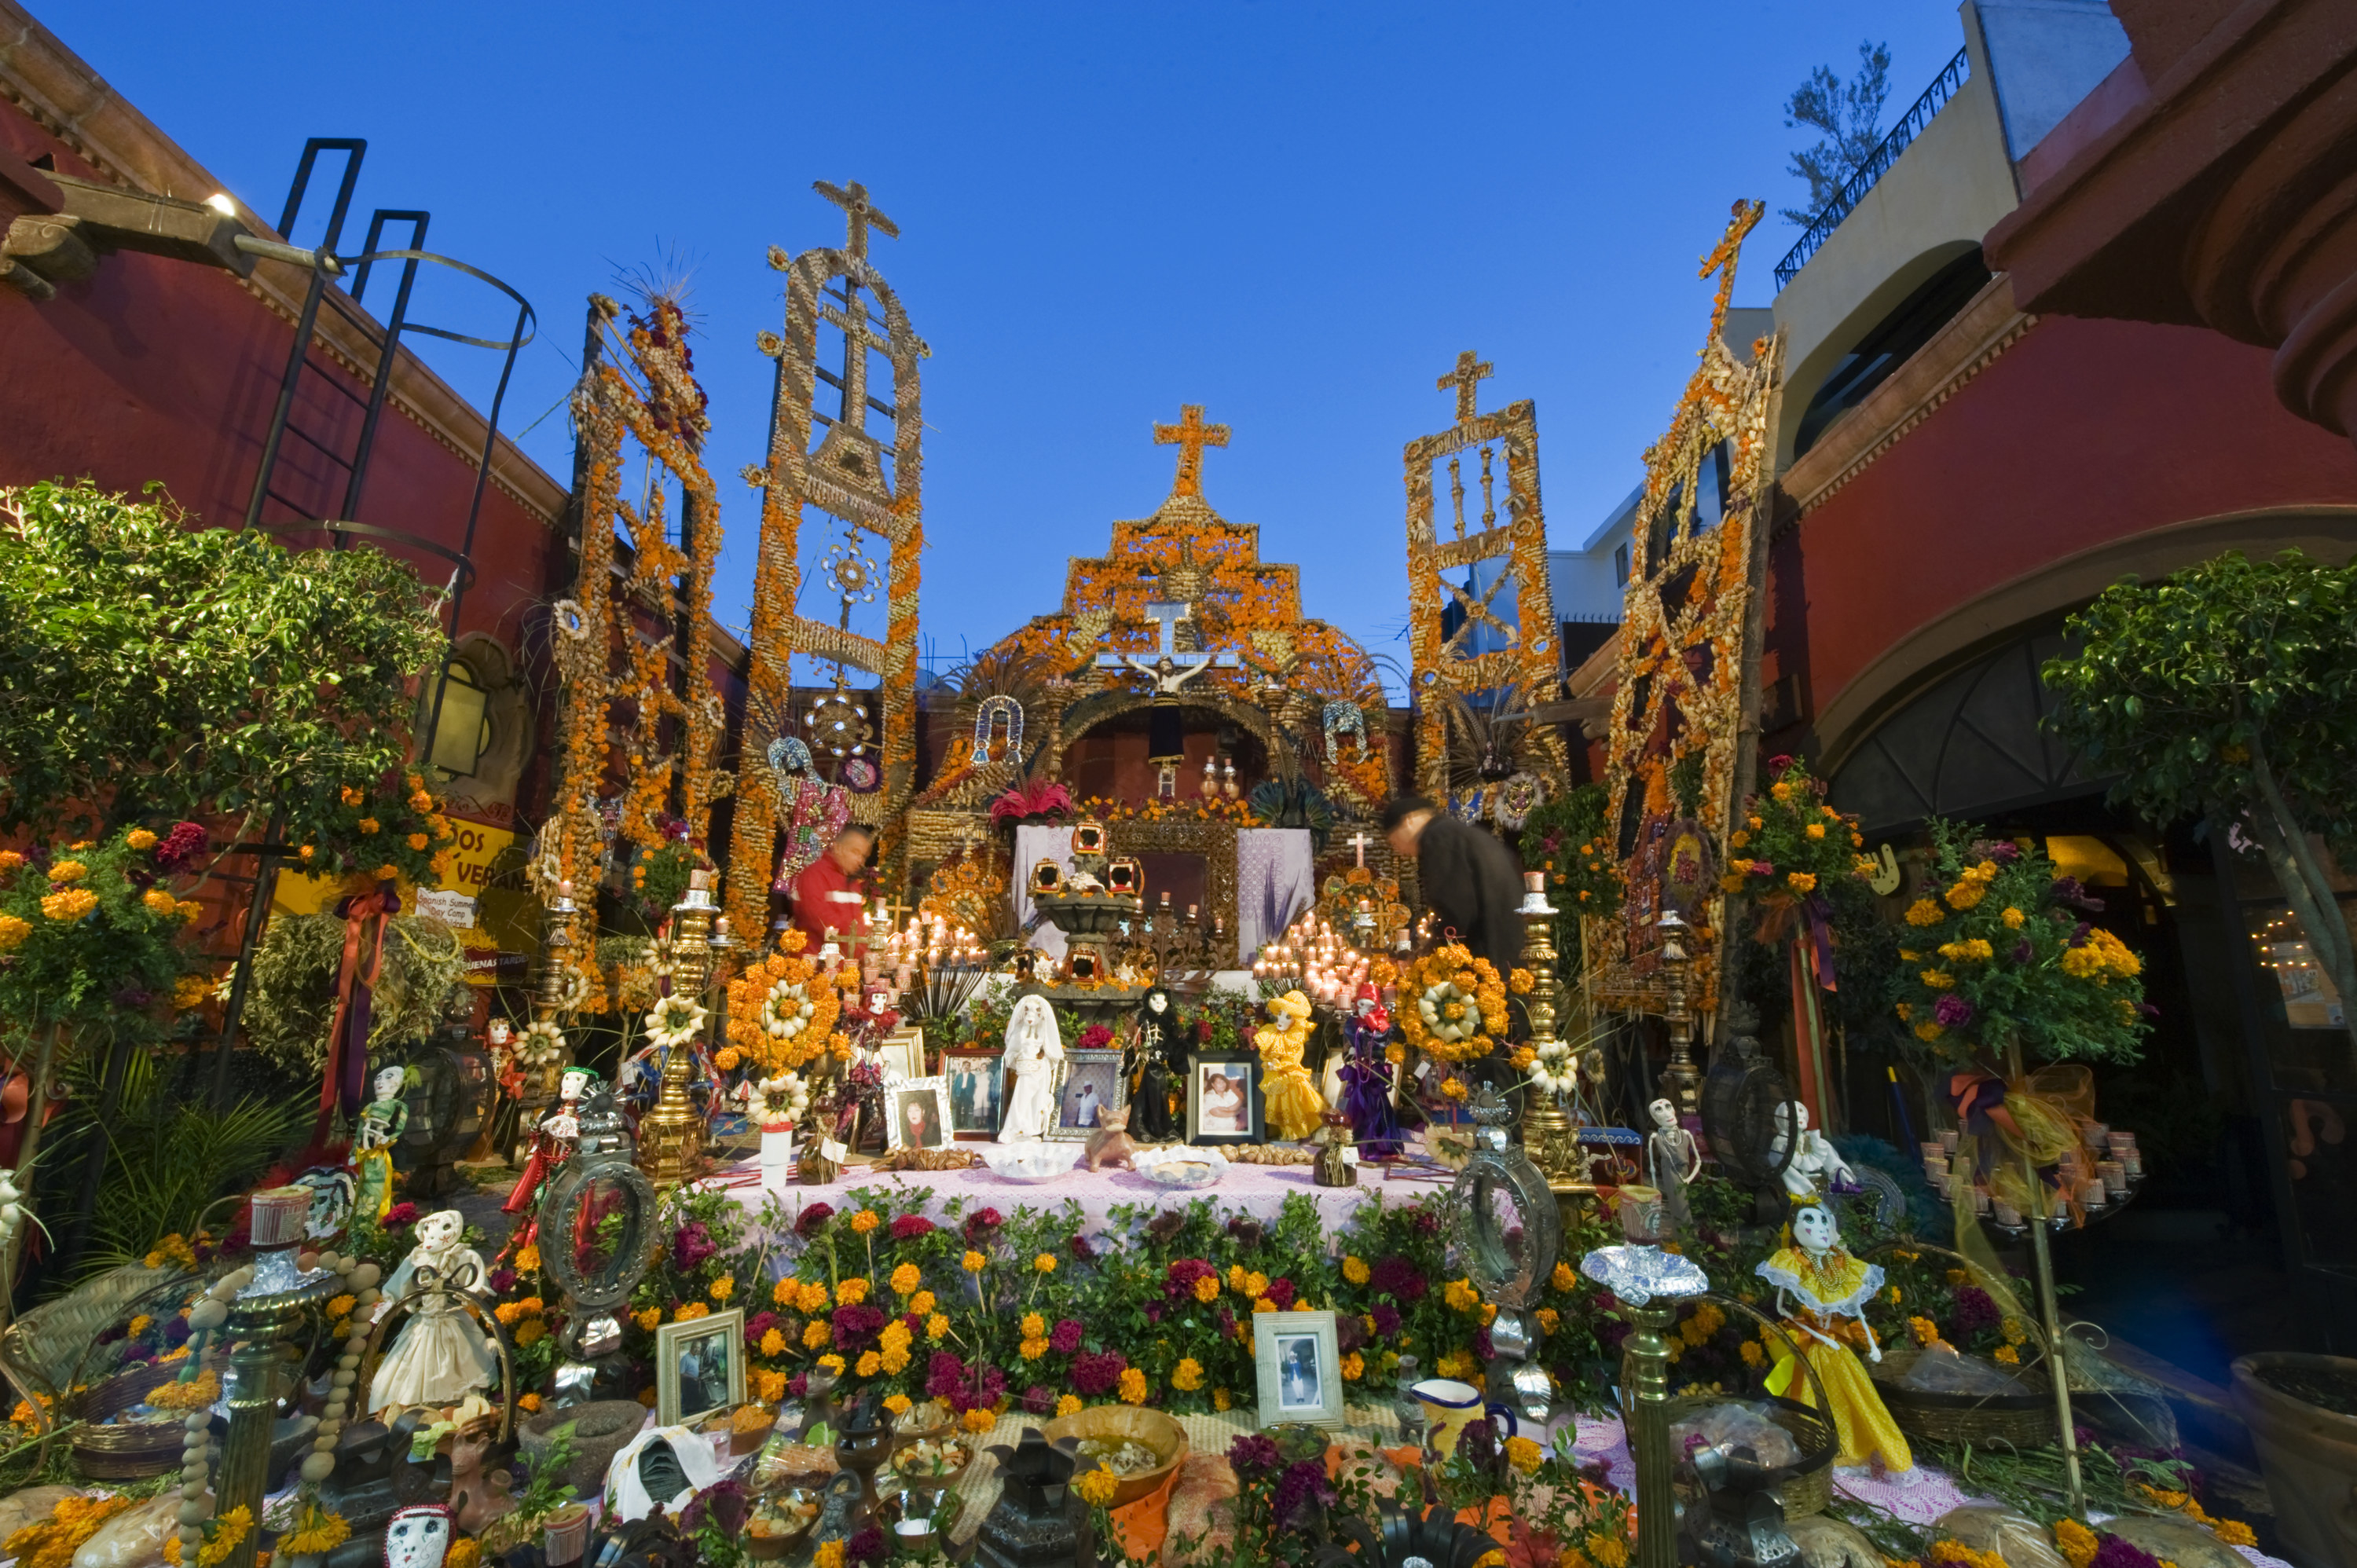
{"points": [[540, 1041], [675, 1021], [1432, 1007], [1555, 1071], [786, 1011]]}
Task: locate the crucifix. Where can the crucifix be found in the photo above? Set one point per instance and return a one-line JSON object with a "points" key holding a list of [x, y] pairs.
{"points": [[1171, 670], [1190, 435], [1469, 374], [860, 213], [1359, 842]]}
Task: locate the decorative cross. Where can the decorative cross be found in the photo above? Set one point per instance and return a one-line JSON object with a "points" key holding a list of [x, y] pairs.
{"points": [[1171, 670], [1721, 260], [1360, 843], [860, 213], [1469, 374], [1190, 435]]}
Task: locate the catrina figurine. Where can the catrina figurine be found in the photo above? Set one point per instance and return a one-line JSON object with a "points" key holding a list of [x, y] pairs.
{"points": [[1157, 1070]]}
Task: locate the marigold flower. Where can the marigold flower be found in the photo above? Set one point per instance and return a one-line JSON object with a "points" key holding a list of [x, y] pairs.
{"points": [[1034, 1326], [690, 1311], [1523, 1454], [905, 1279], [937, 1326], [1132, 1386], [1964, 895], [1816, 829], [870, 1364], [921, 1304], [1033, 1348], [851, 1291], [1354, 1269], [722, 1288], [982, 1417], [865, 1220], [1045, 1263], [1924, 912], [647, 1318], [773, 1344], [816, 1335], [1070, 1404], [973, 1262], [1188, 1375], [897, 1404], [1207, 1289], [1801, 881], [13, 931], [1353, 1366], [71, 904], [1097, 1487], [369, 824]]}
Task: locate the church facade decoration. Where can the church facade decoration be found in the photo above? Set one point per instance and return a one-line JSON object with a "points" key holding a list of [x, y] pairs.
{"points": [[1450, 622], [1686, 709], [872, 484]]}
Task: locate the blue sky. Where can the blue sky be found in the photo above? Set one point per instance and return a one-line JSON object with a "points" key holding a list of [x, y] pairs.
{"points": [[1294, 214]]}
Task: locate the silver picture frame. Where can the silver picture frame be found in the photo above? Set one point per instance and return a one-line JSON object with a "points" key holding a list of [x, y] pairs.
{"points": [[1297, 1357], [902, 1100], [1088, 1085], [716, 1345]]}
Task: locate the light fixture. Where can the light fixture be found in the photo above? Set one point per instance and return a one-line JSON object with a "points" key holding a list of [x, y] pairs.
{"points": [[463, 733]]}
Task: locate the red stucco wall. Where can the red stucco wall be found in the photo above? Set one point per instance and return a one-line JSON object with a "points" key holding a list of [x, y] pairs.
{"points": [[2081, 433], [163, 370]]}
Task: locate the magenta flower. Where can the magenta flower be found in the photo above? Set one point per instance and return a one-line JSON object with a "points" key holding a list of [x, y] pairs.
{"points": [[1951, 1011]]}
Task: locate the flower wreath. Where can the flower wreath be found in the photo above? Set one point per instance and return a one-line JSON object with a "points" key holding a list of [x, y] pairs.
{"points": [[675, 1021], [779, 1012], [1457, 1007], [541, 1042]]}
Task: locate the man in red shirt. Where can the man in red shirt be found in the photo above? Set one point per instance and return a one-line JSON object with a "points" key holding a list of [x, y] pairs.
{"points": [[826, 898]]}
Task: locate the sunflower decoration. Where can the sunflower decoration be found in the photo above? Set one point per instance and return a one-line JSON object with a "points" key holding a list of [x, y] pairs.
{"points": [[541, 1043], [780, 1010], [1459, 1010], [674, 1022]]}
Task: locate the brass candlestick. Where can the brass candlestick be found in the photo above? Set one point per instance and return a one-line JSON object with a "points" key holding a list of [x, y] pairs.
{"points": [[1649, 1283], [671, 1138], [262, 1321], [1550, 1137], [1681, 1082]]}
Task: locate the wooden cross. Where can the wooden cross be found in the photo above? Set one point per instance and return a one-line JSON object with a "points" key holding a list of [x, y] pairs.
{"points": [[860, 213], [1469, 374], [1190, 435], [1360, 843]]}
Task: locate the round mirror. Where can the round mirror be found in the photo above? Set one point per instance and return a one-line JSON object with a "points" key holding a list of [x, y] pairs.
{"points": [[595, 1226]]}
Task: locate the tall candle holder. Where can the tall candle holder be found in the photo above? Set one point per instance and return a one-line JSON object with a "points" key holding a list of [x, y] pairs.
{"points": [[1648, 1283], [671, 1138], [1680, 1080]]}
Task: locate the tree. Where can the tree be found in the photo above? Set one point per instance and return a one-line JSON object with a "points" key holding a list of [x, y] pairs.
{"points": [[1850, 114], [2229, 691], [152, 670]]}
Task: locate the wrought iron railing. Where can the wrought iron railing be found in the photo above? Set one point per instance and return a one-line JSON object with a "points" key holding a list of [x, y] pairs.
{"points": [[1910, 126]]}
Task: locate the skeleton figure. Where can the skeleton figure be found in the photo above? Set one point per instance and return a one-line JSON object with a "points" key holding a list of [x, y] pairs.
{"points": [[1033, 1047]]}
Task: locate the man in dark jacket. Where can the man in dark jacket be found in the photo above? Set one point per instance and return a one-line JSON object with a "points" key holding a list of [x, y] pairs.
{"points": [[1470, 879]]}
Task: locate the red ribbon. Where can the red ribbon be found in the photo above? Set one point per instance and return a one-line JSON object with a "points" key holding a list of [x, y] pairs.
{"points": [[383, 903]]}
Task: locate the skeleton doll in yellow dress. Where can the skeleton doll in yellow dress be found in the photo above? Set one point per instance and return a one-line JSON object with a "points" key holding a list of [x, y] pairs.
{"points": [[1292, 1098], [1827, 1320]]}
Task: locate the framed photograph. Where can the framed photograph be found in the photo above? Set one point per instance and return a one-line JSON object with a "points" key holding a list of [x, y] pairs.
{"points": [[978, 1089], [1223, 1099], [902, 1054], [1299, 1366], [1091, 1085], [920, 1113], [700, 1366]]}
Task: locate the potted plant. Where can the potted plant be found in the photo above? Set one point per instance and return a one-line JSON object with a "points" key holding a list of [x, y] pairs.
{"points": [[2302, 1413]]}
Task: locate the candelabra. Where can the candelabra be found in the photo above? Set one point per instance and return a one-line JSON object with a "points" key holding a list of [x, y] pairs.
{"points": [[1549, 1137], [1680, 1080], [1649, 1282], [671, 1139]]}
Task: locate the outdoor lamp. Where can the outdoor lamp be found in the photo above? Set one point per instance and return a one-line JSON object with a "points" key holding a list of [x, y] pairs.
{"points": [[464, 729]]}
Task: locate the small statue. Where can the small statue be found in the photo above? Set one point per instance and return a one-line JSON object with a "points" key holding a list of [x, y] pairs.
{"points": [[1033, 1047], [1335, 1168], [1366, 1076], [382, 1121], [1672, 1159], [1816, 1169], [476, 1498], [1111, 1143], [552, 1145], [1293, 1104], [1158, 1045], [1828, 1322], [439, 1355]]}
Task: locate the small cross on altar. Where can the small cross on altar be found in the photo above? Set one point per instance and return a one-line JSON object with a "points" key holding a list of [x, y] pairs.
{"points": [[1469, 374], [1359, 842], [860, 213], [1171, 670], [1190, 435]]}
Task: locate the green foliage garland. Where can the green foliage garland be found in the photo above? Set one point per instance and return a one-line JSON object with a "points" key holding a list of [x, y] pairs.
{"points": [[293, 999]]}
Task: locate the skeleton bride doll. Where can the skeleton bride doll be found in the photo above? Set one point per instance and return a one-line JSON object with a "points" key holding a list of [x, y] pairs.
{"points": [[1033, 1049], [440, 1357]]}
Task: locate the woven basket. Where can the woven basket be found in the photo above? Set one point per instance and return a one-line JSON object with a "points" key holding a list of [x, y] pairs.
{"points": [[2025, 1419], [128, 1450]]}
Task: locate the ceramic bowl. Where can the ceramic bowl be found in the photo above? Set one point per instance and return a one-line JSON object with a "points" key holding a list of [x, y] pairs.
{"points": [[1123, 1422], [1182, 1166], [1031, 1162]]}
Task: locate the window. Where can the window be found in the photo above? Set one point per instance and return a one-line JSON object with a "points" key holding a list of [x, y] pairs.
{"points": [[1620, 563]]}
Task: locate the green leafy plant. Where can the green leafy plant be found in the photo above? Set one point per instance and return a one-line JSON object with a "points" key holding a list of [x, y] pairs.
{"points": [[2229, 691], [2001, 958], [1567, 838], [292, 1002], [88, 933], [152, 669]]}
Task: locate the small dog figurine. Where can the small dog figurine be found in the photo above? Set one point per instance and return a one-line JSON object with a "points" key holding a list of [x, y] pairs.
{"points": [[1111, 1143]]}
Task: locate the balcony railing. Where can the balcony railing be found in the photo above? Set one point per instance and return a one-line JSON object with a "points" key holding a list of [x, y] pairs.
{"points": [[1910, 126]]}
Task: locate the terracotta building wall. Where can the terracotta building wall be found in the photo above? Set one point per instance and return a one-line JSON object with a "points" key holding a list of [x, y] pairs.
{"points": [[2080, 435], [162, 369]]}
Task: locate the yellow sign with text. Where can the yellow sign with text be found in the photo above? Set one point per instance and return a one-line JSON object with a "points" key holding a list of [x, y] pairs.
{"points": [[471, 858]]}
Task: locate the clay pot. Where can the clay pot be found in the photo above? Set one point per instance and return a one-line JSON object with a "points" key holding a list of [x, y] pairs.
{"points": [[600, 1430], [2309, 1455]]}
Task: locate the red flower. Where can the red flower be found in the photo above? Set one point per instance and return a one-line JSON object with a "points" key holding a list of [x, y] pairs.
{"points": [[816, 1215], [909, 1226], [402, 1214]]}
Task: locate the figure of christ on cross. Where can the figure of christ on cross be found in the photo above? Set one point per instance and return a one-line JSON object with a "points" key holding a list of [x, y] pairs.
{"points": [[1171, 670], [1190, 435]]}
